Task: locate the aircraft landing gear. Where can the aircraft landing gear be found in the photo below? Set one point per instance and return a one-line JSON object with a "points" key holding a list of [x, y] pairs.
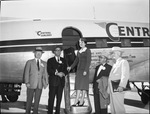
{"points": [[144, 93], [12, 98], [10, 91], [144, 97]]}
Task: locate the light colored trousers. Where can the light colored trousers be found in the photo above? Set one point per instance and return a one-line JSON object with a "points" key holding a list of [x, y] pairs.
{"points": [[117, 103]]}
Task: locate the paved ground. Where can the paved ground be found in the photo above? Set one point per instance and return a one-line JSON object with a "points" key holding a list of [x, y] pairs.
{"points": [[133, 104]]}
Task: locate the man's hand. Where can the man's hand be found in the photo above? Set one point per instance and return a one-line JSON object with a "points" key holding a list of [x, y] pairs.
{"points": [[28, 85], [84, 73], [60, 74], [56, 72], [68, 68], [98, 80], [120, 89]]}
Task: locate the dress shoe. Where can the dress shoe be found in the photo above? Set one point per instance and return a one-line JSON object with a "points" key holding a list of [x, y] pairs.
{"points": [[81, 104], [77, 104]]}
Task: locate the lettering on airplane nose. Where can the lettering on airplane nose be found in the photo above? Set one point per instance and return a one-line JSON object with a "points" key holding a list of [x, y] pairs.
{"points": [[113, 29], [42, 34], [117, 30]]}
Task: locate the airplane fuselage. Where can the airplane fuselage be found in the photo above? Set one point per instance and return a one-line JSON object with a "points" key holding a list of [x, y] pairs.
{"points": [[18, 43]]}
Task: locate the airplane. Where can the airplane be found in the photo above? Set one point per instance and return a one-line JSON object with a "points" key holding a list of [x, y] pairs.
{"points": [[21, 32]]}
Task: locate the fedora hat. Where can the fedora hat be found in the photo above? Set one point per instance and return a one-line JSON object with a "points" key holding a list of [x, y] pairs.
{"points": [[39, 49], [115, 48]]}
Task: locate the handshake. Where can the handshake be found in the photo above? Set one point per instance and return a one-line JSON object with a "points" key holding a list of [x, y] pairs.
{"points": [[68, 69], [60, 74]]}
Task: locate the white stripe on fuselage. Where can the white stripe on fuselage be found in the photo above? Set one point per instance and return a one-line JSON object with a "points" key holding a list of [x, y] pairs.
{"points": [[31, 45]]}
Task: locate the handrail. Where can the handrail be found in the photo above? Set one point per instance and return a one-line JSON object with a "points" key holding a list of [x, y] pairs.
{"points": [[87, 109]]}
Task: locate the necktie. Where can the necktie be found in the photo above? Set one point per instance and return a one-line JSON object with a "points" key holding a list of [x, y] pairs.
{"points": [[99, 69], [58, 59], [38, 65]]}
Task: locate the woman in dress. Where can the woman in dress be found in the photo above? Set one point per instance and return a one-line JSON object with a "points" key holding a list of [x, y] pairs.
{"points": [[83, 61]]}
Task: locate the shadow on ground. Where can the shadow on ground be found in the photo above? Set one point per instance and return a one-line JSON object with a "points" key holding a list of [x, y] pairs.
{"points": [[19, 107]]}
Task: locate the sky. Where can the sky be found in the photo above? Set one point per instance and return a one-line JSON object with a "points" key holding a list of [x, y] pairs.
{"points": [[109, 10]]}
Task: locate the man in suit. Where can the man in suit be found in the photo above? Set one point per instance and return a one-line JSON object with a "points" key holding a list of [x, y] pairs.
{"points": [[35, 78], [120, 71], [100, 85], [57, 70]]}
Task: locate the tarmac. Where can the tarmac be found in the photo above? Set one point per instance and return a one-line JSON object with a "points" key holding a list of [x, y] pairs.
{"points": [[133, 104]]}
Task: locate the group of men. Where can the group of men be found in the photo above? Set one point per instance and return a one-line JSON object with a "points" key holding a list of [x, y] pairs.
{"points": [[38, 74], [104, 89]]}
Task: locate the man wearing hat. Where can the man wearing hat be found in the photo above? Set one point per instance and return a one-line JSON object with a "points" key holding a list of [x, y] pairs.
{"points": [[119, 72], [100, 84], [35, 78], [57, 70]]}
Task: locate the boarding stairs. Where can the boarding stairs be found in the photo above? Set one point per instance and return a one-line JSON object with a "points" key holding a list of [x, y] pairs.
{"points": [[70, 94]]}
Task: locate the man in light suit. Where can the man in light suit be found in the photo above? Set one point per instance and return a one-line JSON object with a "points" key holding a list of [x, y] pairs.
{"points": [[35, 78], [120, 71], [100, 85], [57, 70]]}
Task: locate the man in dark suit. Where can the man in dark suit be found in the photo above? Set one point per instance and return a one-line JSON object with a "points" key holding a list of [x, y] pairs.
{"points": [[100, 84], [57, 69], [35, 78]]}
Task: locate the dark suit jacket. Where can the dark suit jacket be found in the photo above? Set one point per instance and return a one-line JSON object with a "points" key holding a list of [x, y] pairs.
{"points": [[102, 73], [52, 65]]}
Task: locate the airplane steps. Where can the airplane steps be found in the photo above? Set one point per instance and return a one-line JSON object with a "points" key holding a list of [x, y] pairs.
{"points": [[80, 109]]}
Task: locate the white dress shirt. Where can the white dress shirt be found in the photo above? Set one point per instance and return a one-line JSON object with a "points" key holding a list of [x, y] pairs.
{"points": [[101, 67]]}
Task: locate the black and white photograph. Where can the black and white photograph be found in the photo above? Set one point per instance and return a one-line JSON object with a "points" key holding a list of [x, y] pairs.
{"points": [[74, 56]]}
